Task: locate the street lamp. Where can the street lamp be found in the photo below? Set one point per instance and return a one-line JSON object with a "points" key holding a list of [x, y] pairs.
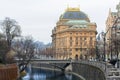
{"points": [[104, 47], [104, 38], [110, 48]]}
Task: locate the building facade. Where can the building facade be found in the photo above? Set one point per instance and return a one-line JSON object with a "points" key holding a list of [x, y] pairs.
{"points": [[112, 31], [74, 36]]}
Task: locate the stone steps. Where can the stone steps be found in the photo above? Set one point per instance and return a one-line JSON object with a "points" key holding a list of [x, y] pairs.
{"points": [[113, 74]]}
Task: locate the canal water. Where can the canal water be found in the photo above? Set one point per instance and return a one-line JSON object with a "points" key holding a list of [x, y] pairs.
{"points": [[40, 74]]}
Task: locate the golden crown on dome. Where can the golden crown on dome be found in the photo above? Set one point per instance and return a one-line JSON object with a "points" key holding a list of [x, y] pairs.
{"points": [[73, 9]]}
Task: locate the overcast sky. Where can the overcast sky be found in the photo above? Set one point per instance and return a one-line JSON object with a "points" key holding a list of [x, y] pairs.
{"points": [[38, 17]]}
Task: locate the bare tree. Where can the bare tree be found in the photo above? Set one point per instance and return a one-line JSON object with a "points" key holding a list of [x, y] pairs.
{"points": [[25, 50], [116, 46], [3, 50], [10, 29]]}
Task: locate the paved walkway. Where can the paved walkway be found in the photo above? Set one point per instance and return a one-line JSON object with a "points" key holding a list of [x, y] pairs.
{"points": [[112, 73]]}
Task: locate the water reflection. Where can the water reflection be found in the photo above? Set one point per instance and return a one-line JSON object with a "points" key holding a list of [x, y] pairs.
{"points": [[39, 74]]}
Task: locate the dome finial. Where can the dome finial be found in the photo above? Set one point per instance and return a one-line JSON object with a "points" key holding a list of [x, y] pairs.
{"points": [[67, 5], [79, 7], [72, 9]]}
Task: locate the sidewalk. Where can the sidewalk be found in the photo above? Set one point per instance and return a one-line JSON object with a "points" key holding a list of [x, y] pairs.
{"points": [[112, 73]]}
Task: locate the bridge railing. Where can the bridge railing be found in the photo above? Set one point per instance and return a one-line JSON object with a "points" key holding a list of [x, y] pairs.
{"points": [[101, 65], [93, 69], [46, 61]]}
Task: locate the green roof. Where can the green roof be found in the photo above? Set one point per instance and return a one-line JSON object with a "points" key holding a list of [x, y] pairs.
{"points": [[79, 26], [76, 22]]}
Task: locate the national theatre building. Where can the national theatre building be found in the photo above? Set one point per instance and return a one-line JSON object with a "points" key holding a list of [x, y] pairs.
{"points": [[74, 35]]}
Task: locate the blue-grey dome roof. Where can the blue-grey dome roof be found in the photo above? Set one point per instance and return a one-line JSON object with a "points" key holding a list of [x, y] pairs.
{"points": [[74, 15]]}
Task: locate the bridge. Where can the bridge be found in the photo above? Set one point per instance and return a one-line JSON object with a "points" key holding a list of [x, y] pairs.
{"points": [[93, 68], [46, 61], [50, 62]]}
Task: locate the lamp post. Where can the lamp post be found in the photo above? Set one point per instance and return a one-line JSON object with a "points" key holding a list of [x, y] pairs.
{"points": [[104, 38], [104, 47], [110, 48]]}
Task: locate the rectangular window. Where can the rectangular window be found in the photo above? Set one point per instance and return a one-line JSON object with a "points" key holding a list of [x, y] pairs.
{"points": [[70, 49], [70, 33], [70, 43], [76, 38], [90, 38], [77, 43], [80, 38], [90, 33], [76, 49], [85, 43]]}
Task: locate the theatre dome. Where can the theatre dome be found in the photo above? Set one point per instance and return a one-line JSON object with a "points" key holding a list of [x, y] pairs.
{"points": [[74, 13]]}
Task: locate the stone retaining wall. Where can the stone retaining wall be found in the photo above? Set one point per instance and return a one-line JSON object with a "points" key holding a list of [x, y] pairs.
{"points": [[86, 70], [89, 72]]}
